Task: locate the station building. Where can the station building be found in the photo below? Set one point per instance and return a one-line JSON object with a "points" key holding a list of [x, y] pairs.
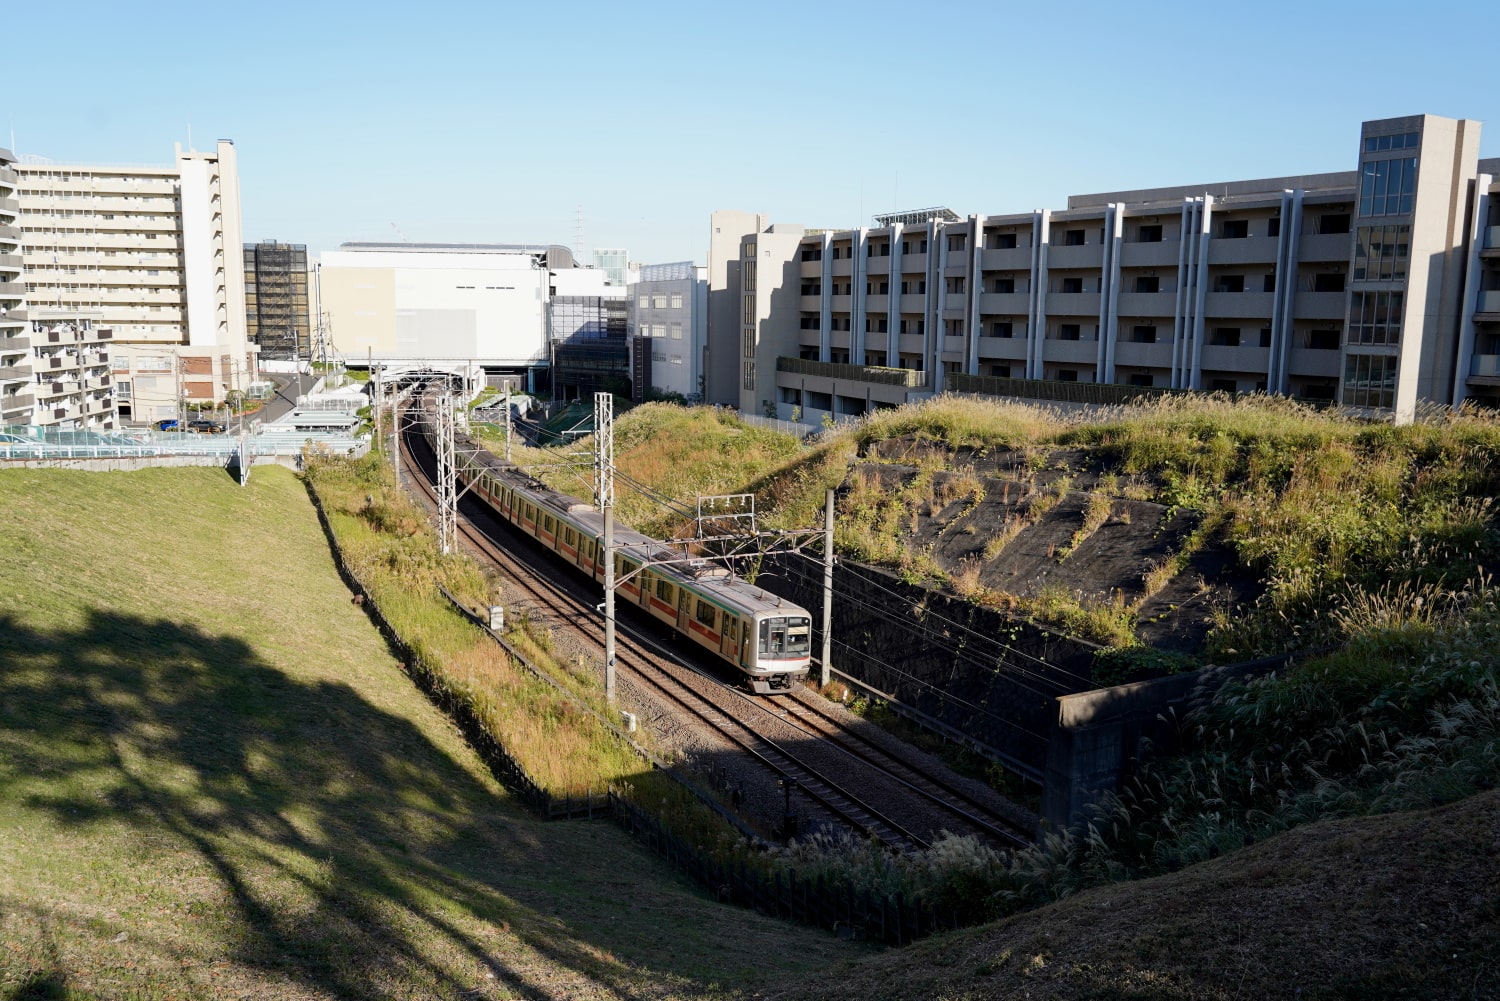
{"points": [[1376, 288]]}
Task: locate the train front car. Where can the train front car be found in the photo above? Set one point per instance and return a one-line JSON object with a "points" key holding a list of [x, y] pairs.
{"points": [[783, 649]]}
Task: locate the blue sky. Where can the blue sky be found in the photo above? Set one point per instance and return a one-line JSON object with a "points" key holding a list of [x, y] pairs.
{"points": [[497, 122]]}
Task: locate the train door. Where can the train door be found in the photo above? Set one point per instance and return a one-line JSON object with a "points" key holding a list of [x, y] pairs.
{"points": [[682, 609], [728, 636], [646, 584]]}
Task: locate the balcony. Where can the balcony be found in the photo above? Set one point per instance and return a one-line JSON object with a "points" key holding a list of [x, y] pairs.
{"points": [[1240, 305], [1319, 306], [1072, 352], [1220, 358], [1004, 303], [1485, 367], [10, 262], [913, 302], [15, 373], [15, 344], [843, 267], [1489, 303], [1045, 389], [878, 266], [910, 344], [1312, 362], [12, 290], [877, 303], [1325, 247], [1073, 304], [1157, 355], [913, 264], [842, 303], [877, 374], [811, 269], [1250, 250], [1162, 254], [1086, 256], [17, 403], [1147, 304], [1492, 239], [1009, 259], [812, 303], [1002, 348]]}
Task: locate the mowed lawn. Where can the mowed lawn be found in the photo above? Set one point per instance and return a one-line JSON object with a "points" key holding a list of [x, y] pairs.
{"points": [[215, 781]]}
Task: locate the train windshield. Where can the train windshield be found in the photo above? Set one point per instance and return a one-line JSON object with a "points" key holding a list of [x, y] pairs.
{"points": [[785, 638]]}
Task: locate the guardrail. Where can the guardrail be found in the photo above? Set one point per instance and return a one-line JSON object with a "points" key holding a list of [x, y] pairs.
{"points": [[879, 375]]}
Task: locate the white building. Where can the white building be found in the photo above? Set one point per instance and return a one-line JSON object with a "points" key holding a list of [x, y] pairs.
{"points": [[669, 328], [420, 302], [146, 260]]}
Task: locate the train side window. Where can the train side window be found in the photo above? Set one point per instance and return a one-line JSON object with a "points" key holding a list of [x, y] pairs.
{"points": [[547, 523], [682, 599], [664, 590], [705, 613], [568, 536], [730, 622]]}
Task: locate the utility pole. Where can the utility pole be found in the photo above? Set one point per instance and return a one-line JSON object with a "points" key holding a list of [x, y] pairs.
{"points": [[378, 398], [604, 490], [447, 476], [823, 673], [507, 422]]}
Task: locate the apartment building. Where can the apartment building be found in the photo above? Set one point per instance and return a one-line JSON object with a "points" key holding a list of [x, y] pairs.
{"points": [[278, 316], [1363, 287], [146, 260], [669, 329], [16, 398]]}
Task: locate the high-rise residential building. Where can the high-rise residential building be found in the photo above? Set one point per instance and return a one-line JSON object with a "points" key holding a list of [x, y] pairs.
{"points": [[16, 397], [669, 329], [1369, 288], [615, 263], [278, 319], [150, 255]]}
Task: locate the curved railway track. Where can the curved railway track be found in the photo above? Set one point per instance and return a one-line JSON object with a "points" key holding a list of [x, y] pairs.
{"points": [[662, 672]]}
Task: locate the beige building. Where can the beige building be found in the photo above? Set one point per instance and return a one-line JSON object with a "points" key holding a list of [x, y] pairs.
{"points": [[148, 261], [1367, 287], [16, 397]]}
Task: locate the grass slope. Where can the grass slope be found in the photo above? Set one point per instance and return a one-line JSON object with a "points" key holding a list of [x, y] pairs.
{"points": [[215, 782], [1400, 906]]}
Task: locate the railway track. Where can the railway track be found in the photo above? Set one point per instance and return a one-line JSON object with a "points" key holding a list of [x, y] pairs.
{"points": [[737, 718]]}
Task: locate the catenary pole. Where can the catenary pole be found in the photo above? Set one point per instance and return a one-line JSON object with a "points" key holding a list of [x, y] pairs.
{"points": [[823, 673]]}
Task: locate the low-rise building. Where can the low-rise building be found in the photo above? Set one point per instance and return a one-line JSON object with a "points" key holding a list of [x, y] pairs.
{"points": [[669, 329]]}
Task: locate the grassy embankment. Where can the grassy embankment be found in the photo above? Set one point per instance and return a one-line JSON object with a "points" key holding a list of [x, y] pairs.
{"points": [[216, 781], [1372, 540]]}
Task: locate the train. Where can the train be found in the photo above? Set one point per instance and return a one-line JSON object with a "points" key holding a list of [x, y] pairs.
{"points": [[765, 638]]}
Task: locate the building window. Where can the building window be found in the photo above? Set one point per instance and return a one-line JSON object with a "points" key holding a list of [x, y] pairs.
{"points": [[1381, 253], [1369, 381], [957, 242], [914, 246], [1147, 283], [914, 288], [1229, 283], [1000, 371], [1141, 379], [1148, 234], [1002, 328], [676, 329], [1067, 375], [1235, 229], [1387, 187], [1073, 238], [953, 328], [645, 302], [877, 288], [1223, 386], [1329, 282], [1067, 331], [812, 253], [812, 323], [677, 300], [1003, 241], [954, 286], [1226, 337], [1379, 144], [1143, 334], [1375, 317], [1072, 285], [1005, 286], [749, 382], [748, 252], [1273, 228]]}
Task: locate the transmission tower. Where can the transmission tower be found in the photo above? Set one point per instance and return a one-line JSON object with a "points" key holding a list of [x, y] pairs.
{"points": [[447, 478], [604, 492]]}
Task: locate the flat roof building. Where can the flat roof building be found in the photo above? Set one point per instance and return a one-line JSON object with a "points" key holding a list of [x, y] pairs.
{"points": [[1367, 288], [147, 261]]}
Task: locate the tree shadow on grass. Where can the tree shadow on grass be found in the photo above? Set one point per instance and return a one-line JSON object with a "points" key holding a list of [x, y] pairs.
{"points": [[352, 856]]}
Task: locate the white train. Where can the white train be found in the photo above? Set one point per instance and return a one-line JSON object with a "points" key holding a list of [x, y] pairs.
{"points": [[766, 638]]}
